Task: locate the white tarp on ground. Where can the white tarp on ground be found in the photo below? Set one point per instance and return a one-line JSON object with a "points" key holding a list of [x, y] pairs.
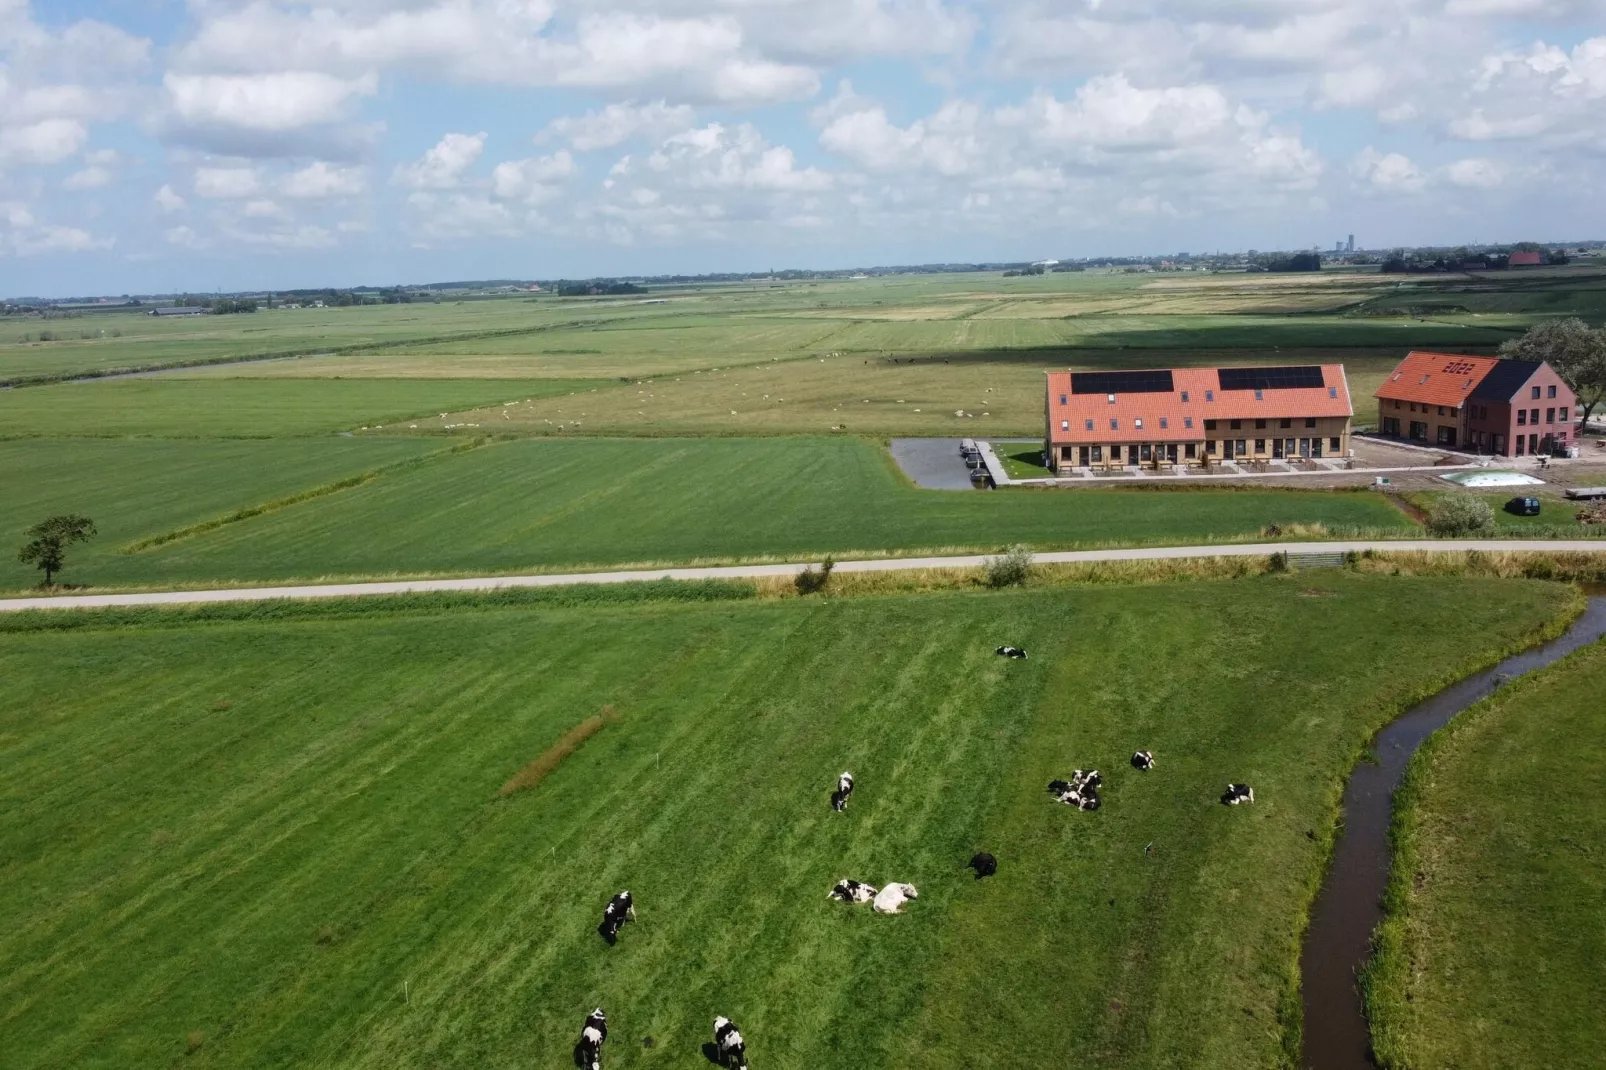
{"points": [[1491, 479]]}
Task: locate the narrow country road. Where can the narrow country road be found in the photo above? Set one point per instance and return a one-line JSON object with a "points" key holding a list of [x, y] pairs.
{"points": [[890, 564]]}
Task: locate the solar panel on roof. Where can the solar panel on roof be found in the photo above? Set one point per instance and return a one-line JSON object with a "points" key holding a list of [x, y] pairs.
{"points": [[1144, 382], [1294, 378]]}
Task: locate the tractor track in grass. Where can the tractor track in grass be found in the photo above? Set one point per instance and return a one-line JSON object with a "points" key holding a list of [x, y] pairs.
{"points": [[889, 564]]}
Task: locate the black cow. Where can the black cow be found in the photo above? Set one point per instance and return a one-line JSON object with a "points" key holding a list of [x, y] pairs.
{"points": [[729, 1046], [984, 864], [1011, 652], [852, 891], [1081, 791], [1237, 793], [619, 910], [844, 790], [588, 1053], [1143, 760]]}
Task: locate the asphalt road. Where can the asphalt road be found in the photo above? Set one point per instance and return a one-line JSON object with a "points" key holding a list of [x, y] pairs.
{"points": [[933, 463], [892, 564]]}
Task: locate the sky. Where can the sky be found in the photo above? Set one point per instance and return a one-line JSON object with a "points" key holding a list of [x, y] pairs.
{"points": [[163, 145]]}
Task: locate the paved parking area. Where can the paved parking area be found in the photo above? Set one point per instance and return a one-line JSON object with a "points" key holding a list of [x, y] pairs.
{"points": [[933, 463]]}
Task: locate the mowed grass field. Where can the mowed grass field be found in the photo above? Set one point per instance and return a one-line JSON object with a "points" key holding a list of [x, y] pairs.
{"points": [[541, 504], [1493, 949], [281, 842]]}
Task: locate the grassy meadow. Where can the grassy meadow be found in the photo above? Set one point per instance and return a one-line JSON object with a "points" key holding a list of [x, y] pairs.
{"points": [[276, 836], [1494, 942], [533, 503]]}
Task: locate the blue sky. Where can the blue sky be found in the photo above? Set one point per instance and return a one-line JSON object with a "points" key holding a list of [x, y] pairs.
{"points": [[233, 144]]}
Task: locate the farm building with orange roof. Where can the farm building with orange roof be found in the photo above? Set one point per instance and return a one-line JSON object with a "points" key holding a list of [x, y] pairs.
{"points": [[1511, 408]]}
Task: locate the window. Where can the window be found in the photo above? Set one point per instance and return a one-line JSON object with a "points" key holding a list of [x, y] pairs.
{"points": [[1455, 412], [1191, 451], [1115, 425], [1062, 399], [1087, 425], [1235, 424], [1332, 391], [1522, 417], [1132, 455], [1065, 425], [1238, 447], [1441, 410], [1260, 425], [1259, 396], [1285, 422], [1260, 445], [1187, 421], [1210, 395], [1413, 406], [1098, 453], [1536, 393], [1563, 414], [1310, 421], [1210, 425], [1164, 423], [1550, 392], [1211, 447], [1138, 423], [1533, 416], [1333, 445], [1550, 416], [1184, 397], [1396, 403], [1522, 441], [1111, 399], [1148, 454]]}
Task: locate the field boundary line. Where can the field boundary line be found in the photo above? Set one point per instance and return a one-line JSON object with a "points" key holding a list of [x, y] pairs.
{"points": [[274, 505], [895, 564]]}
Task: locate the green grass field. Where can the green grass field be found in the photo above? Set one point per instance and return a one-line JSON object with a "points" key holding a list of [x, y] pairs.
{"points": [[279, 840], [1492, 952], [530, 504]]}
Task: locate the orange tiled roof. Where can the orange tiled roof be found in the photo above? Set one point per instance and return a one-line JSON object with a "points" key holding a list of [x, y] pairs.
{"points": [[1436, 378], [1164, 415]]}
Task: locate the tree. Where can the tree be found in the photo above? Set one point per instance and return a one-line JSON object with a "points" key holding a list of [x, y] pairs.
{"points": [[1575, 349], [1012, 568], [1461, 514], [48, 542]]}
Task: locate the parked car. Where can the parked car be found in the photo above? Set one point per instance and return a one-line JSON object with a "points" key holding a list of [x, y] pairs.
{"points": [[1523, 506]]}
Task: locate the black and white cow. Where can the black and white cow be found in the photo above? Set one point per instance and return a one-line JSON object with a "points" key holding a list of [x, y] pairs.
{"points": [[729, 1046], [1237, 793], [844, 790], [852, 891], [1143, 760], [984, 864], [1011, 652], [1081, 791], [619, 910], [588, 1053]]}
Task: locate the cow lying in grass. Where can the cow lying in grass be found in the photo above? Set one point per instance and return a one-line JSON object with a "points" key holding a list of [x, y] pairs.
{"points": [[729, 1047], [1143, 760], [1081, 791], [844, 790], [588, 1053], [890, 899], [1237, 793], [984, 864], [618, 911], [1011, 652], [852, 891]]}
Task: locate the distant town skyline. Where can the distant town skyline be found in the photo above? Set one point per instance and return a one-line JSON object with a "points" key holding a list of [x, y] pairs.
{"points": [[258, 144]]}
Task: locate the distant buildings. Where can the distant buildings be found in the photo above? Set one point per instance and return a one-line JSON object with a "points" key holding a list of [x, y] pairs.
{"points": [[1511, 408], [1526, 259], [1196, 416]]}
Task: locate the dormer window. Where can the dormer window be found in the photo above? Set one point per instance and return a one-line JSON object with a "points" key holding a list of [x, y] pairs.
{"points": [[1112, 399], [1163, 423], [1115, 425], [1138, 423], [1184, 397], [1210, 395], [1332, 391], [1062, 399], [1259, 396], [1065, 425], [1088, 424], [1187, 422]]}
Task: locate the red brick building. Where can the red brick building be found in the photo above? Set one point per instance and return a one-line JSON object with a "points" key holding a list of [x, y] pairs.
{"points": [[1195, 416], [1511, 408]]}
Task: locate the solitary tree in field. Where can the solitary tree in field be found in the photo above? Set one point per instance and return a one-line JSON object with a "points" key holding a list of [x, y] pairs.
{"points": [[1575, 349], [48, 540]]}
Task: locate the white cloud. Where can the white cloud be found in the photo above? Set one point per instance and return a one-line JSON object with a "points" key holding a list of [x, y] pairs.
{"points": [[45, 142], [720, 157], [618, 123], [445, 165], [88, 178], [226, 183], [322, 181], [168, 200], [1475, 173], [22, 234], [275, 103], [184, 237], [534, 180], [262, 208], [1386, 171]]}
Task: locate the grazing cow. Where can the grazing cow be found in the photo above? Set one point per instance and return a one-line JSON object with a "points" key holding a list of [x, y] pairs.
{"points": [[729, 1045], [844, 789], [1143, 760], [619, 910], [1237, 793], [588, 1053], [1011, 652], [852, 891], [890, 899], [1081, 791], [984, 864]]}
